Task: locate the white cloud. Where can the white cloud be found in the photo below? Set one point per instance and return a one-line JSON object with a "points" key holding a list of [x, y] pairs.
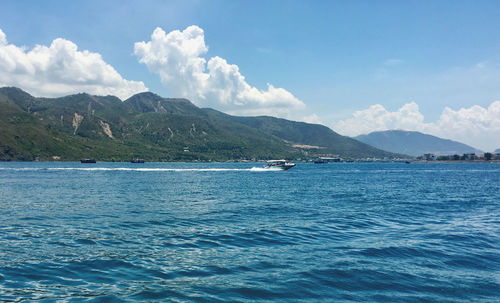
{"points": [[376, 118], [3, 38], [61, 69], [313, 118], [177, 57], [476, 126]]}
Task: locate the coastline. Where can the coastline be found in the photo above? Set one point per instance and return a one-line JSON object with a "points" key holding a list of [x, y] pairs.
{"points": [[458, 161], [262, 160]]}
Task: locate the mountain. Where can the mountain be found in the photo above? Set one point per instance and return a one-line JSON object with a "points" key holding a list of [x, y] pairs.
{"points": [[307, 134], [148, 102], [497, 151], [154, 128], [414, 143]]}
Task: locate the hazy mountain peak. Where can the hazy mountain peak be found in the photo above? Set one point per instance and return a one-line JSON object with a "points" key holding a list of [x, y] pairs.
{"points": [[414, 143]]}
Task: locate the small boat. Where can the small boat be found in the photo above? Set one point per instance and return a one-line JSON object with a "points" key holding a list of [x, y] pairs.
{"points": [[320, 161], [324, 160], [88, 160], [281, 164], [137, 161]]}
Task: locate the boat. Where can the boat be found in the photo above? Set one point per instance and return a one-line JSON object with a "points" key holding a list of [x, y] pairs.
{"points": [[320, 161], [88, 160], [281, 164], [324, 160], [137, 161]]}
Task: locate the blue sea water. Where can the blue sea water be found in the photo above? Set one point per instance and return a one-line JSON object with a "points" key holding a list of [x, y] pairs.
{"points": [[224, 232]]}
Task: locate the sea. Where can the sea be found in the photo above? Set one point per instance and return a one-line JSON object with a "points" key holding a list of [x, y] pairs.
{"points": [[234, 232]]}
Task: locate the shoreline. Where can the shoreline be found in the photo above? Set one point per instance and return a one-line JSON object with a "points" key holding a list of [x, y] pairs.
{"points": [[260, 161], [458, 161]]}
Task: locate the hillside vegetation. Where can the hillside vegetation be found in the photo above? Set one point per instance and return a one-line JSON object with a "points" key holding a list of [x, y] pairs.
{"points": [[156, 129]]}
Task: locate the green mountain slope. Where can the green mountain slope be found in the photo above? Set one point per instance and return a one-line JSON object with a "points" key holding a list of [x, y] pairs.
{"points": [[154, 128], [301, 133], [28, 136], [149, 102], [415, 143]]}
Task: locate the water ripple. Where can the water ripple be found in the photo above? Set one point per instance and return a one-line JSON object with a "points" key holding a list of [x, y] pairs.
{"points": [[221, 232]]}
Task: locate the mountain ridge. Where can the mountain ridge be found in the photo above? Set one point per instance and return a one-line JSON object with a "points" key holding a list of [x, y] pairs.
{"points": [[149, 126], [415, 143]]}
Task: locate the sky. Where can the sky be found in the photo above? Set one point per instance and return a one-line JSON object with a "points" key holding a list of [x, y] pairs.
{"points": [[354, 66]]}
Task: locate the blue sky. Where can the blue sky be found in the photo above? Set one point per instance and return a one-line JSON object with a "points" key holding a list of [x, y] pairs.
{"points": [[335, 57]]}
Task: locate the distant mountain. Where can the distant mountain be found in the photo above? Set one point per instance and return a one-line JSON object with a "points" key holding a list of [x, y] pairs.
{"points": [[497, 151], [320, 139], [414, 143], [156, 129]]}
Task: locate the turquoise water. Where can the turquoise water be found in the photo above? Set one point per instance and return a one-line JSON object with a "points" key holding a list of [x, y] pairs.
{"points": [[224, 232]]}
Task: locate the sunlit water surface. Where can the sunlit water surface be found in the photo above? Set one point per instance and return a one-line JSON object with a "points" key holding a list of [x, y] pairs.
{"points": [[386, 232]]}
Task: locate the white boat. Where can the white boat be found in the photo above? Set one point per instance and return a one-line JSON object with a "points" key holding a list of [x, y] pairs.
{"points": [[281, 164]]}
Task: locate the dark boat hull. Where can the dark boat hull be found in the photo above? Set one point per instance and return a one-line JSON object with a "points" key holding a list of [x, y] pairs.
{"points": [[285, 166], [87, 161]]}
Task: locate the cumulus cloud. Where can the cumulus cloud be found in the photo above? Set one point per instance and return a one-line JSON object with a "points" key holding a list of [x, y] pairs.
{"points": [[313, 118], [61, 69], [177, 57], [376, 118], [3, 38], [476, 125]]}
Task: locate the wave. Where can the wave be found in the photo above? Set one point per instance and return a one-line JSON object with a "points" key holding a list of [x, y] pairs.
{"points": [[145, 169], [265, 169], [253, 169]]}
